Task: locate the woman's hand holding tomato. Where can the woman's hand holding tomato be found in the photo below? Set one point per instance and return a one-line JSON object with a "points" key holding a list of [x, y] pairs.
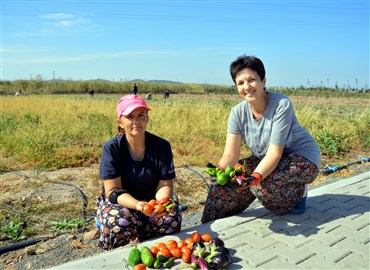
{"points": [[147, 209], [153, 207]]}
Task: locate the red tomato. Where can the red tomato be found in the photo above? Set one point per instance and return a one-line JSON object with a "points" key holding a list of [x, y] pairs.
{"points": [[147, 209], [140, 266], [175, 252], [181, 244], [186, 257], [189, 241], [154, 250], [165, 252], [171, 242], [160, 245], [158, 209], [206, 237], [196, 236], [152, 202], [185, 250], [164, 200]]}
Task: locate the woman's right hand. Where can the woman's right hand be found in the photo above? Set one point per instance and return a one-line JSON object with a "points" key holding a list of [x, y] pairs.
{"points": [[139, 206]]}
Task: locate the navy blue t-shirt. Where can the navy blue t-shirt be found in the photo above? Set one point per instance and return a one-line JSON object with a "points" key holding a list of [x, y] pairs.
{"points": [[139, 178]]}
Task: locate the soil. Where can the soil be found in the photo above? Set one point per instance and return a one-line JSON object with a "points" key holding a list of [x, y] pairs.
{"points": [[70, 193]]}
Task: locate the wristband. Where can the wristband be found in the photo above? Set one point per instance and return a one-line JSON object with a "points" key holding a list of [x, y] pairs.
{"points": [[257, 175], [113, 196]]}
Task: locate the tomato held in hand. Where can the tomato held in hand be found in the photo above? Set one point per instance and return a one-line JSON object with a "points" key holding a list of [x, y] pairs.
{"points": [[152, 202], [158, 209], [147, 209]]}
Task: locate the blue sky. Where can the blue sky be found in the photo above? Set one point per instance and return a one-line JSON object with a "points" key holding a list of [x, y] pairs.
{"points": [[307, 43]]}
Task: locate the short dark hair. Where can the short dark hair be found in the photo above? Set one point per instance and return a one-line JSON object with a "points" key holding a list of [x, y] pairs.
{"points": [[245, 61]]}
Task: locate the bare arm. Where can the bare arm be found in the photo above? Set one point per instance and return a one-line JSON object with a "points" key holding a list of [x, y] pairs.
{"points": [[125, 200], [164, 189], [269, 163], [231, 151]]}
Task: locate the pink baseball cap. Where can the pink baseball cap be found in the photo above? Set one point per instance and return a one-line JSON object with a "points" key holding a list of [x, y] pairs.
{"points": [[128, 103]]}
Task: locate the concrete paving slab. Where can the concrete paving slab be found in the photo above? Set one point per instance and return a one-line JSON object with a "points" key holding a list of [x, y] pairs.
{"points": [[334, 233]]}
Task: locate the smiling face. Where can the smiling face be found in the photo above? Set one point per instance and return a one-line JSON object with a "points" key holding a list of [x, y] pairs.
{"points": [[134, 123], [249, 85]]}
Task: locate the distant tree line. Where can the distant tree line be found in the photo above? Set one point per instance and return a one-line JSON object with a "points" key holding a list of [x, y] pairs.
{"points": [[49, 87]]}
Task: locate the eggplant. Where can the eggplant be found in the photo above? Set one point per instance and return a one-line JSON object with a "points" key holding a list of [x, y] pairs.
{"points": [[219, 261], [199, 249], [198, 245], [223, 250], [193, 261], [218, 242], [202, 264]]}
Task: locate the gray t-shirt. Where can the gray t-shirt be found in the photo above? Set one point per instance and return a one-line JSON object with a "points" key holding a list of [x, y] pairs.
{"points": [[278, 126]]}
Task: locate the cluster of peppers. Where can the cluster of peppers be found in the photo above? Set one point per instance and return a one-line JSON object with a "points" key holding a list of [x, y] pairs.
{"points": [[145, 258], [234, 174]]}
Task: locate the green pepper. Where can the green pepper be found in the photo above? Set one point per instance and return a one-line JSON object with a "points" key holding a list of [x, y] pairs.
{"points": [[166, 204], [169, 263], [146, 256], [134, 257], [157, 264], [232, 176], [219, 171], [229, 169], [161, 258], [211, 171], [170, 206]]}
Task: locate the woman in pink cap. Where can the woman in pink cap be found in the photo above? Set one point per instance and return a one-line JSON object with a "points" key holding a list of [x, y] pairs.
{"points": [[136, 167]]}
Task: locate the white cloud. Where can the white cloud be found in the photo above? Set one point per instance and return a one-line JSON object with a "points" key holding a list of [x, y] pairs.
{"points": [[64, 20], [58, 16], [34, 58]]}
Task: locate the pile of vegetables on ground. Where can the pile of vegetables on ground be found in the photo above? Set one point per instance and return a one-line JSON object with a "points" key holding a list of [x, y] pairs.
{"points": [[200, 251], [235, 174]]}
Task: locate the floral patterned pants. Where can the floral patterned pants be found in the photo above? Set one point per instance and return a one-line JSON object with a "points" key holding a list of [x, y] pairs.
{"points": [[278, 192], [119, 225]]}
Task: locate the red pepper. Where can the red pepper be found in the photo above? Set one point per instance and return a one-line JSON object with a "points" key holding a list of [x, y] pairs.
{"points": [[164, 200]]}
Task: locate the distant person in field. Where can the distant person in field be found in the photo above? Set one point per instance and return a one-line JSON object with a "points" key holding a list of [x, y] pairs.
{"points": [[134, 90], [166, 94], [136, 167], [285, 157]]}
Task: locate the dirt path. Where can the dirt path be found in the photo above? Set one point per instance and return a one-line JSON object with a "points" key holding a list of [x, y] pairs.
{"points": [[41, 197]]}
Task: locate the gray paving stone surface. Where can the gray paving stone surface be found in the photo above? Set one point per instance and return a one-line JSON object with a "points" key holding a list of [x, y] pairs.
{"points": [[333, 233]]}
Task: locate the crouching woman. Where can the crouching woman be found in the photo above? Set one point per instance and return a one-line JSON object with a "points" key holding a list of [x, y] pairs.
{"points": [[136, 167]]}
